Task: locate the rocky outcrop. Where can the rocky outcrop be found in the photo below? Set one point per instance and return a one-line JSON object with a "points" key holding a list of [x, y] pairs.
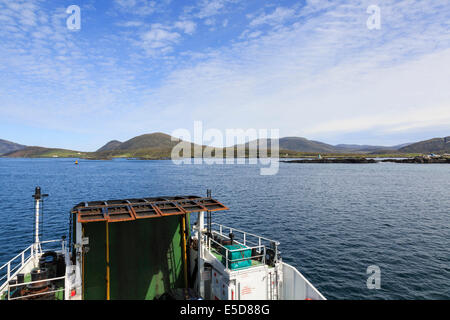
{"points": [[420, 160], [334, 160]]}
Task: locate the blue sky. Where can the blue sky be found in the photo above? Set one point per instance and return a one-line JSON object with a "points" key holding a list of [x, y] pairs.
{"points": [[309, 68]]}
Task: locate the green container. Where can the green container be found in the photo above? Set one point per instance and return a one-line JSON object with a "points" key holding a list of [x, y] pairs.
{"points": [[237, 255]]}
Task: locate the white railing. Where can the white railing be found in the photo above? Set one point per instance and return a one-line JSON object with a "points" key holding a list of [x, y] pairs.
{"points": [[14, 266], [11, 268], [260, 249], [245, 235], [248, 240], [12, 286]]}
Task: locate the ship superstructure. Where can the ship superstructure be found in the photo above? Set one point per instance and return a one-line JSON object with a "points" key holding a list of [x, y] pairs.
{"points": [[147, 248]]}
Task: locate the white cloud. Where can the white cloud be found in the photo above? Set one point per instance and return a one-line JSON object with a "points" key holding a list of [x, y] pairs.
{"points": [[326, 75], [210, 8], [159, 37], [278, 16], [130, 24], [322, 75], [138, 7], [187, 26]]}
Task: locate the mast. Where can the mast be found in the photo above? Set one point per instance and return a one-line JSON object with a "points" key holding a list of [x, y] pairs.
{"points": [[38, 197]]}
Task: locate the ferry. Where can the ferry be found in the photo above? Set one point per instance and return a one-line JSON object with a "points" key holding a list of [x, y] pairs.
{"points": [[148, 249]]}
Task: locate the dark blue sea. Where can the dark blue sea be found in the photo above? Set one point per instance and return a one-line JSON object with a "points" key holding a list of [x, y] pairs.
{"points": [[333, 220]]}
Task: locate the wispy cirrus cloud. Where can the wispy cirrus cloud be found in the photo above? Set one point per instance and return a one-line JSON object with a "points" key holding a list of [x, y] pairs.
{"points": [[311, 69], [137, 7], [186, 25], [278, 16]]}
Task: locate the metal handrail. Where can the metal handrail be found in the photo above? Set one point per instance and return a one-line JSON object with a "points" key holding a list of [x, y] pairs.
{"points": [[32, 282], [11, 272], [260, 239], [37, 294], [260, 249], [243, 232]]}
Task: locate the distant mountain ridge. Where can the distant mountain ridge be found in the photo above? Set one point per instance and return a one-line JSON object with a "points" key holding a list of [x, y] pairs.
{"points": [[159, 145], [300, 144], [8, 146], [150, 140], [436, 145], [112, 145], [304, 145]]}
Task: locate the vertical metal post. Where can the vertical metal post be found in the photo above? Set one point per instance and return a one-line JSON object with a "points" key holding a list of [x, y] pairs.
{"points": [[81, 236], [36, 235], [201, 225], [183, 234], [37, 198], [244, 238], [8, 270], [108, 285], [226, 257], [264, 257]]}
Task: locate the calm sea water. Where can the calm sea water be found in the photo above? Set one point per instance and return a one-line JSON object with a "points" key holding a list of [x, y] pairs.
{"points": [[333, 220]]}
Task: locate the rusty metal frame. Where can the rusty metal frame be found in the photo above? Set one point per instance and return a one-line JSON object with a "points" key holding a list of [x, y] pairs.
{"points": [[181, 205], [110, 215]]}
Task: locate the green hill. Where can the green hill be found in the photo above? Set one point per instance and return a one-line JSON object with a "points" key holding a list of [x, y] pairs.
{"points": [[40, 152], [152, 140], [8, 146], [112, 145], [436, 145], [304, 145], [159, 146]]}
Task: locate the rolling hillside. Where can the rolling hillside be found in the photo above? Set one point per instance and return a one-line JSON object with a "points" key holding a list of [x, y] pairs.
{"points": [[40, 152], [112, 145], [436, 145], [8, 146], [159, 146]]}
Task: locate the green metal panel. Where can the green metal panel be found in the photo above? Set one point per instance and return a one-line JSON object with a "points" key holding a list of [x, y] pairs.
{"points": [[145, 257], [94, 274]]}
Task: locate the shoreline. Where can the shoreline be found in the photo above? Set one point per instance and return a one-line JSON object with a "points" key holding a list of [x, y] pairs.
{"points": [[416, 160]]}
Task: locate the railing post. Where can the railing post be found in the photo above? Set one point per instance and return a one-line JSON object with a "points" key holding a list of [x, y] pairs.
{"points": [[226, 257], [244, 238], [23, 258], [8, 270], [264, 257], [220, 228]]}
